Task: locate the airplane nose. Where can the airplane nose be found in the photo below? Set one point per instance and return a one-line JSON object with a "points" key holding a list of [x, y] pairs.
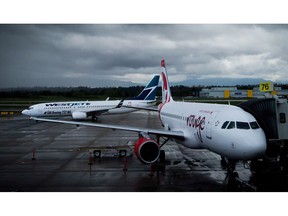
{"points": [[258, 147], [24, 112]]}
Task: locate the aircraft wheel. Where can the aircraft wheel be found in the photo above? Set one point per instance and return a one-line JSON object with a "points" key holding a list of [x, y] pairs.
{"points": [[235, 175], [97, 153], [94, 118], [122, 153]]}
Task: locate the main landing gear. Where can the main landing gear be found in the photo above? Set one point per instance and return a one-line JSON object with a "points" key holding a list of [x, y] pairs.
{"points": [[94, 118]]}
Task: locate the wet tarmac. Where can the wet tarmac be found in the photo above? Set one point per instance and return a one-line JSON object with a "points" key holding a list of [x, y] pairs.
{"points": [[48, 157]]}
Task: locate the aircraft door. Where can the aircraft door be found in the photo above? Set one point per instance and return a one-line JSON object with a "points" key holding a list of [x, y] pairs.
{"points": [[210, 123]]}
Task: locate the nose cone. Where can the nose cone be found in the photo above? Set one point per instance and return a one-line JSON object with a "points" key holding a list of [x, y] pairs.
{"points": [[246, 144], [255, 147], [25, 112]]}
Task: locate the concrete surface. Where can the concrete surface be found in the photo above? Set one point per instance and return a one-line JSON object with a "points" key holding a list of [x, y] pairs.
{"points": [[60, 166]]}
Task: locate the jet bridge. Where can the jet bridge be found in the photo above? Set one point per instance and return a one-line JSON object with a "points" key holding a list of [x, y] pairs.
{"points": [[271, 114]]}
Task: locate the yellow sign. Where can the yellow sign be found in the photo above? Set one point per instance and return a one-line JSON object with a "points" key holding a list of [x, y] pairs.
{"points": [[226, 93], [250, 93], [266, 87]]}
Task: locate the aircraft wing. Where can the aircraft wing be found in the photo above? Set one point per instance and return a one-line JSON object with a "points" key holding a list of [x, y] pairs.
{"points": [[154, 109], [161, 132], [99, 112]]}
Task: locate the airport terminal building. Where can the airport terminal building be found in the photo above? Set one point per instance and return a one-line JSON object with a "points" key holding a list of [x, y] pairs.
{"points": [[234, 92]]}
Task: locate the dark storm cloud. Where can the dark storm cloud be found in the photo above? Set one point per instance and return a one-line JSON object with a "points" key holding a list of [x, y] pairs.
{"points": [[90, 55]]}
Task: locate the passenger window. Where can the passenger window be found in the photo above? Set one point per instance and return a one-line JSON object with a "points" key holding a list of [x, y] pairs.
{"points": [[243, 125], [254, 125], [231, 125], [225, 124], [282, 118]]}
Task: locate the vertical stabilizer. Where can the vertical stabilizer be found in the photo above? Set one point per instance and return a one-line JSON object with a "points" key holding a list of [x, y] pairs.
{"points": [[149, 92], [166, 92]]}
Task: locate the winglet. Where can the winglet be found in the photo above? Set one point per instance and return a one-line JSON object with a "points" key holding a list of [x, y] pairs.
{"points": [[120, 103]]}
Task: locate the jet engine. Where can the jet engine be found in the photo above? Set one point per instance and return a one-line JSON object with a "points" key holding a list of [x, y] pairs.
{"points": [[146, 149], [79, 115]]}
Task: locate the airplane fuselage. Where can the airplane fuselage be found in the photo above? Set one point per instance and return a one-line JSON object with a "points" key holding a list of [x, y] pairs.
{"points": [[224, 129], [57, 109]]}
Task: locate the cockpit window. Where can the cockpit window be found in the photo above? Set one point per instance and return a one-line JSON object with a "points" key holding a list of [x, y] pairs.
{"points": [[225, 124], [243, 125], [30, 108], [254, 125], [240, 125], [231, 125]]}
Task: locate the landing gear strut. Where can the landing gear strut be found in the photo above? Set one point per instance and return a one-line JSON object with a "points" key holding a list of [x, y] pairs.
{"points": [[94, 118], [231, 176]]}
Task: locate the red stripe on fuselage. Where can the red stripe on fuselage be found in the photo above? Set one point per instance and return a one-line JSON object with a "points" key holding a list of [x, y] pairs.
{"points": [[159, 111]]}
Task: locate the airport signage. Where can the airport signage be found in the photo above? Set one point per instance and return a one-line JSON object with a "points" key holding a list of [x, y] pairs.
{"points": [[266, 87]]}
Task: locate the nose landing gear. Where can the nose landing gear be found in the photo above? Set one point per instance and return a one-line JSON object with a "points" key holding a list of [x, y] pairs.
{"points": [[231, 176]]}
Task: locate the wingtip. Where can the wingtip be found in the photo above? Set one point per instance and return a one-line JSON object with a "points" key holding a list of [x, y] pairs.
{"points": [[120, 103]]}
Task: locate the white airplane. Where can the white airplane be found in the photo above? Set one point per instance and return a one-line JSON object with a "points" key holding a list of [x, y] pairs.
{"points": [[83, 109], [224, 129]]}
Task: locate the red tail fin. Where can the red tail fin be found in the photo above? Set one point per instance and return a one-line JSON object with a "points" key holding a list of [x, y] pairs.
{"points": [[166, 93]]}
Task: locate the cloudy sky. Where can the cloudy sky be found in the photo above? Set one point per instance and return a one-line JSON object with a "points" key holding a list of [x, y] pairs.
{"points": [[106, 54]]}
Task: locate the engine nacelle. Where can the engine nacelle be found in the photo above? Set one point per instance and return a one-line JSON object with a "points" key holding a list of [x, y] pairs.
{"points": [[147, 150], [79, 115]]}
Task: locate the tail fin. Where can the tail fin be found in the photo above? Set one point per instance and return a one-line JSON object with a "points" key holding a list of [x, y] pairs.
{"points": [[166, 92], [149, 92]]}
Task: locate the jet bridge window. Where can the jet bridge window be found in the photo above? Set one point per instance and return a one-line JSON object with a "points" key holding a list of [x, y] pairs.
{"points": [[282, 118], [243, 125], [225, 124]]}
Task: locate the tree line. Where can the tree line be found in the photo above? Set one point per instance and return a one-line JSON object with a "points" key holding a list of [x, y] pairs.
{"points": [[89, 93], [103, 93]]}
